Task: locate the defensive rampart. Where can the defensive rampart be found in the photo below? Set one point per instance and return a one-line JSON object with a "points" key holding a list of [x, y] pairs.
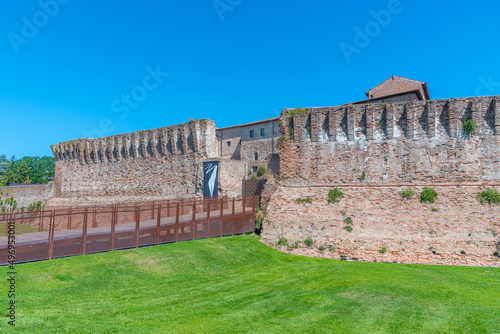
{"points": [[374, 152]]}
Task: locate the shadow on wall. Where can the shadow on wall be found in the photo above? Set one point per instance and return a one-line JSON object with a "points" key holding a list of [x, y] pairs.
{"points": [[274, 163]]}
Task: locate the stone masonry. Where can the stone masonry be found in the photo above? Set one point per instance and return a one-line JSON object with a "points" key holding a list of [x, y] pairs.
{"points": [[395, 146]]}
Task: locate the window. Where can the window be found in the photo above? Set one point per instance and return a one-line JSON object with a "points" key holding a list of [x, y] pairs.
{"points": [[262, 132], [251, 133], [256, 156], [228, 143], [255, 168]]}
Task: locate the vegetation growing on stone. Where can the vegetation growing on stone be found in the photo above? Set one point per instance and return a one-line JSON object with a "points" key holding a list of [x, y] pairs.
{"points": [[335, 195], [428, 195], [309, 241], [469, 127], [304, 200], [348, 220], [261, 171], [296, 111], [407, 194], [490, 196]]}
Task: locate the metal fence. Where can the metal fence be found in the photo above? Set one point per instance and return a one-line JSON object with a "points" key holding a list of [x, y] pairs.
{"points": [[48, 234]]}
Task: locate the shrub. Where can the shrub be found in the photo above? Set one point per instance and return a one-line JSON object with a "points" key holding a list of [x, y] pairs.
{"points": [[309, 241], [335, 195], [259, 218], [348, 221], [321, 248], [469, 127], [407, 194], [348, 228], [300, 111], [283, 242], [363, 176], [383, 250], [330, 248], [301, 200], [253, 177], [261, 171], [428, 195], [490, 196]]}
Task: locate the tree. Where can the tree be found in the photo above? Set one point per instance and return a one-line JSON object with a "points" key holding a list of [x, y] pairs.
{"points": [[4, 162], [28, 170]]}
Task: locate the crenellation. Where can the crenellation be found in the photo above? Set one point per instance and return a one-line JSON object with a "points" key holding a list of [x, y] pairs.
{"points": [[496, 115], [369, 110], [389, 114], [431, 119]]}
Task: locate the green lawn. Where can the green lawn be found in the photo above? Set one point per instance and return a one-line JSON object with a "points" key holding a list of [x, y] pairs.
{"points": [[20, 229], [239, 285]]}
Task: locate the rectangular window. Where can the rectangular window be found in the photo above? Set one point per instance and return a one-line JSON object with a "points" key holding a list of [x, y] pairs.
{"points": [[255, 168], [251, 133], [262, 132], [228, 143]]}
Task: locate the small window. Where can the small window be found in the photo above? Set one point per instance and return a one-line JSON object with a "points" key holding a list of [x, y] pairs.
{"points": [[262, 132], [228, 143], [255, 168], [251, 133], [256, 156]]}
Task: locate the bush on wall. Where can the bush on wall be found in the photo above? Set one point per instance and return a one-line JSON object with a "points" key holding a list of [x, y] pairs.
{"points": [[490, 196], [335, 195], [428, 195]]}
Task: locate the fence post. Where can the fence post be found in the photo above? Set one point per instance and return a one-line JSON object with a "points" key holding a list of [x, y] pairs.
{"points": [[208, 216], [152, 211], [168, 208], [221, 215], [84, 230], [40, 221], [233, 218], [137, 221], [94, 223], [158, 224], [177, 222], [193, 223], [6, 225], [51, 234], [243, 202], [69, 219], [113, 224]]}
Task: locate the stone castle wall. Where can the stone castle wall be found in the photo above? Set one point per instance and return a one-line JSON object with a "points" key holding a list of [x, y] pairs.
{"points": [[397, 146], [27, 194], [411, 142], [164, 162]]}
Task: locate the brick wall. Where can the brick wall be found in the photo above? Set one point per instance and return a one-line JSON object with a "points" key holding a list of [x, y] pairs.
{"points": [[164, 162], [396, 145], [25, 195], [393, 143], [456, 229]]}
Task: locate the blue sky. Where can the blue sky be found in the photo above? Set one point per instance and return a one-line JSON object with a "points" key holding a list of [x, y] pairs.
{"points": [[72, 69]]}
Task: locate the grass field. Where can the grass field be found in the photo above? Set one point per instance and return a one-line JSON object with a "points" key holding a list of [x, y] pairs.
{"points": [[239, 285], [20, 229]]}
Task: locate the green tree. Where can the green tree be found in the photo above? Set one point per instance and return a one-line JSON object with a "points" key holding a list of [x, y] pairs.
{"points": [[4, 162], [28, 170]]}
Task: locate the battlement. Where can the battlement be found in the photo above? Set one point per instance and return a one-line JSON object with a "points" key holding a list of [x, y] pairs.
{"points": [[383, 121], [198, 136], [409, 142]]}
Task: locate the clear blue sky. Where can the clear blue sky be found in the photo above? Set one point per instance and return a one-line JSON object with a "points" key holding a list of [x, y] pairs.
{"points": [[66, 72]]}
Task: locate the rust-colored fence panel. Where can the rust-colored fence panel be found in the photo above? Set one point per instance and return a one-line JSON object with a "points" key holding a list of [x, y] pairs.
{"points": [[48, 234]]}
